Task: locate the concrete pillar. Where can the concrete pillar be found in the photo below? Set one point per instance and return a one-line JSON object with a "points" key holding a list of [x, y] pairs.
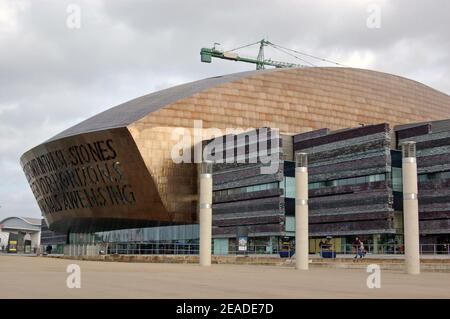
{"points": [[410, 209], [205, 213], [36, 241], [301, 212], [376, 241]]}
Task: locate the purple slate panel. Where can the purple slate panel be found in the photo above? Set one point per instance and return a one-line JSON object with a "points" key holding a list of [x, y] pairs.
{"points": [[312, 134], [342, 135], [413, 131]]}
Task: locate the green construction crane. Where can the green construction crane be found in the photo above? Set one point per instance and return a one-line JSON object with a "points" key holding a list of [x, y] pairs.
{"points": [[208, 53]]}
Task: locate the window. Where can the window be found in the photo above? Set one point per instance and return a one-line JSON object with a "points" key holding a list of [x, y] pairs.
{"points": [[349, 181], [273, 185], [314, 185], [361, 180], [397, 184], [247, 189], [290, 187], [434, 176]]}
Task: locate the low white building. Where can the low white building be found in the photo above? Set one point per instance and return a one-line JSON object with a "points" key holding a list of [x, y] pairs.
{"points": [[20, 234]]}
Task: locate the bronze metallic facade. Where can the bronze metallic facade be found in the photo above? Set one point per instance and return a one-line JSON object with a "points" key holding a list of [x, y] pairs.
{"points": [[114, 170]]}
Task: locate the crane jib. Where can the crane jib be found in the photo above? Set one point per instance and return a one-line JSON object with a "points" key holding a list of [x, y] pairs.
{"points": [[208, 53]]}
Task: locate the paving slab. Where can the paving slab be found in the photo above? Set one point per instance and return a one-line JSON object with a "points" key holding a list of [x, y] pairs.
{"points": [[43, 277]]}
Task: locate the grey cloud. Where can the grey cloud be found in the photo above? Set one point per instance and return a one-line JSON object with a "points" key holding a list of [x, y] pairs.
{"points": [[52, 77]]}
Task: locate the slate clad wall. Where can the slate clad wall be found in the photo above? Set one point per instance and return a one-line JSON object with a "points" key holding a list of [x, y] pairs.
{"points": [[260, 212], [356, 208], [433, 158], [413, 131]]}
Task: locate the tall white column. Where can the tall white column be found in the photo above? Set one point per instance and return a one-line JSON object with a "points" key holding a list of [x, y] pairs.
{"points": [[410, 209], [205, 213], [301, 212]]}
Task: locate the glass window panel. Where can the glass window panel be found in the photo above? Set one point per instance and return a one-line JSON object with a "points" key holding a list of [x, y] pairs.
{"points": [[397, 185], [290, 187]]}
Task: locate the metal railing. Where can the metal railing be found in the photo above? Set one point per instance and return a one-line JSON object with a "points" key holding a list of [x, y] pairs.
{"points": [[379, 249], [183, 249], [151, 249], [193, 249], [435, 249], [395, 249]]}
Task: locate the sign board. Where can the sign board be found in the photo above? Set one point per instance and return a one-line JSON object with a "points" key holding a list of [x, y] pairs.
{"points": [[242, 244], [12, 246]]}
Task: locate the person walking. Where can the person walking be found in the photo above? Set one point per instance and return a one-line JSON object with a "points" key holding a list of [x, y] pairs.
{"points": [[362, 250], [357, 245]]}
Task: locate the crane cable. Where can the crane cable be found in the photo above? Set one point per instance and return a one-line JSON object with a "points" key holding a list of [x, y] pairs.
{"points": [[284, 49], [272, 45], [308, 55], [293, 55], [244, 46]]}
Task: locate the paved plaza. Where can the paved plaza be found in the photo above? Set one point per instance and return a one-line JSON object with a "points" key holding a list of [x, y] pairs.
{"points": [[41, 277]]}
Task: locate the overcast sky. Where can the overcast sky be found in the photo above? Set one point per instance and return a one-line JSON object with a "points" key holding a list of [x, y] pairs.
{"points": [[54, 75]]}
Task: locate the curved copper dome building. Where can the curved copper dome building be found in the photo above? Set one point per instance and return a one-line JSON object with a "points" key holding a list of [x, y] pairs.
{"points": [[114, 170]]}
